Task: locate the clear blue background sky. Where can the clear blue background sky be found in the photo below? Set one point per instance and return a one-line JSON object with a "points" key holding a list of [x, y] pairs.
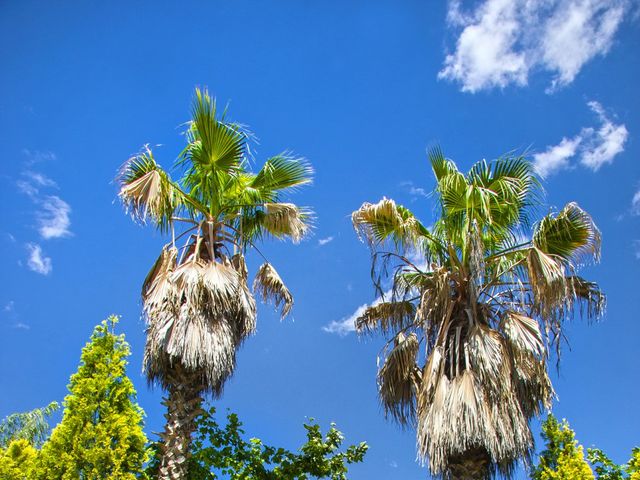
{"points": [[355, 88]]}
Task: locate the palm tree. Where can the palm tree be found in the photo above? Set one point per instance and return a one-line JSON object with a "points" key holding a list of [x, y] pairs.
{"points": [[476, 301], [196, 298]]}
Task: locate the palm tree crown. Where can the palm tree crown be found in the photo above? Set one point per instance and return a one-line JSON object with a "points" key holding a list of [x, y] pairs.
{"points": [[472, 319], [196, 298]]}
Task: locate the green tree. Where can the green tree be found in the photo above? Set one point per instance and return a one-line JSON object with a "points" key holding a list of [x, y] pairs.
{"points": [[18, 461], [471, 321], [563, 458], [222, 451], [608, 470], [196, 298], [100, 436], [31, 426]]}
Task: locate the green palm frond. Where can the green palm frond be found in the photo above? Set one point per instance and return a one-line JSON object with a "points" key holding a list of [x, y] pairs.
{"points": [[218, 145], [440, 165], [282, 172], [571, 235]]}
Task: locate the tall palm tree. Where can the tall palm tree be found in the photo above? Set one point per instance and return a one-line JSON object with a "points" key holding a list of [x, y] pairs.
{"points": [[196, 298], [476, 301]]}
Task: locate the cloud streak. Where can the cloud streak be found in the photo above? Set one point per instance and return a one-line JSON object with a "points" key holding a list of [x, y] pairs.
{"points": [[501, 42], [347, 325]]}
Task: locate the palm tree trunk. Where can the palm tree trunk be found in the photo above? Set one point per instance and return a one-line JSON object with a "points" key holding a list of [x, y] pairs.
{"points": [[183, 406], [474, 464]]}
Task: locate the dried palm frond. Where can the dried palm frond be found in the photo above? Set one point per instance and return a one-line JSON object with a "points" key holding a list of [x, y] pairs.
{"points": [[386, 317], [157, 287], [215, 312], [523, 333], [270, 286], [286, 219], [546, 277], [238, 262], [398, 379], [436, 303], [589, 294]]}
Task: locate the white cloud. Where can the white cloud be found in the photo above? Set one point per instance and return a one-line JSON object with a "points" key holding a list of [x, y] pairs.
{"points": [[323, 241], [636, 245], [9, 306], [37, 262], [556, 157], [595, 147], [486, 53], [22, 326], [577, 31], [53, 219], [502, 41], [605, 143]]}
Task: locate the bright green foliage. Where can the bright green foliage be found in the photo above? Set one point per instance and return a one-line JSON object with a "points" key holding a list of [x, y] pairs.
{"points": [[30, 426], [18, 461], [563, 458], [607, 470], [100, 436], [222, 452]]}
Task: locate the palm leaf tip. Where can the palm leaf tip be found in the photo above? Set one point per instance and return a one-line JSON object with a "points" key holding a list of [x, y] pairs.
{"points": [[269, 286]]}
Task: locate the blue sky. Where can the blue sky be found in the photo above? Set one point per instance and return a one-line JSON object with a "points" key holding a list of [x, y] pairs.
{"points": [[359, 88]]}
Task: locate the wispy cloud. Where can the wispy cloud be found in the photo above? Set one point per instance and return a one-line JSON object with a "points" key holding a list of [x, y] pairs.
{"points": [[37, 261], [53, 213], [323, 241], [21, 326], [9, 306], [37, 156], [414, 190], [501, 42], [53, 218], [595, 147], [635, 203]]}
